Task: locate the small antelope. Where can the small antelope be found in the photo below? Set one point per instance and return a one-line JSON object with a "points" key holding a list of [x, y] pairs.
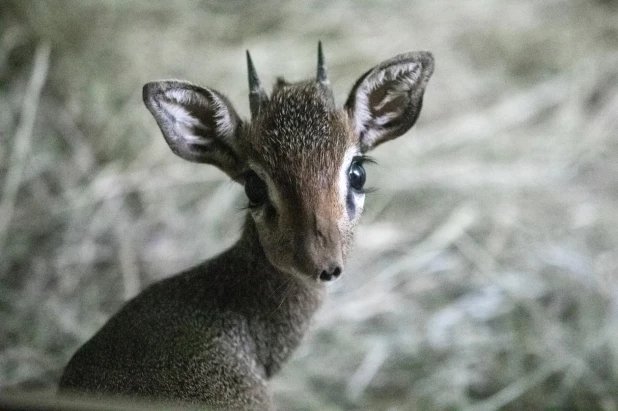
{"points": [[216, 333]]}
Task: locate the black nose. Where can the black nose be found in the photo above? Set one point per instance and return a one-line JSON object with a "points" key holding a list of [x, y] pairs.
{"points": [[330, 275]]}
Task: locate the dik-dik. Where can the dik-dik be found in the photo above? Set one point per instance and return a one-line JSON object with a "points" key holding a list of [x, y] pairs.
{"points": [[216, 333]]}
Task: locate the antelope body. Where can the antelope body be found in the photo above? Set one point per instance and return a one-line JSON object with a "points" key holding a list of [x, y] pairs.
{"points": [[216, 333]]}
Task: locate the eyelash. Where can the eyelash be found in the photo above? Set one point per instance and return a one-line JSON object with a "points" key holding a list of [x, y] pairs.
{"points": [[363, 159]]}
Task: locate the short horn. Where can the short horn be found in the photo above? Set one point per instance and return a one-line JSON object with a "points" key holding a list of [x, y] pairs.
{"points": [[322, 76], [257, 95]]}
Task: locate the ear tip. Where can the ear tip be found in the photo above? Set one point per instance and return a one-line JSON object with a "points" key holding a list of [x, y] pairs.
{"points": [[423, 57], [148, 91], [152, 88], [427, 61], [427, 56]]}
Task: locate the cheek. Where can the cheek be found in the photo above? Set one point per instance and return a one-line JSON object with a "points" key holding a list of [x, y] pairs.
{"points": [[274, 241]]}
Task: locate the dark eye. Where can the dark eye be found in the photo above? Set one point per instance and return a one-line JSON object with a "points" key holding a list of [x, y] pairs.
{"points": [[256, 189], [356, 176]]}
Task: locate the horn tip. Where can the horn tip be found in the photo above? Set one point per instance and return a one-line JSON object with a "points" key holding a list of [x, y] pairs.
{"points": [[249, 60], [254, 81], [321, 74]]}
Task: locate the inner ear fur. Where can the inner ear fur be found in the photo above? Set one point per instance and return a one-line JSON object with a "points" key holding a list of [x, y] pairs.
{"points": [[199, 124], [386, 101]]}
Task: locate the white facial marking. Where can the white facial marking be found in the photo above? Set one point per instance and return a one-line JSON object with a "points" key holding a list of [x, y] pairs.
{"points": [[344, 184]]}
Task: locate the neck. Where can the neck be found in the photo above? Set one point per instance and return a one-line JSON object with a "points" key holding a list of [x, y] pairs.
{"points": [[250, 246], [281, 305]]}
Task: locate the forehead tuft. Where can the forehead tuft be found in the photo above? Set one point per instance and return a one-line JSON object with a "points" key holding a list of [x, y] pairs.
{"points": [[300, 133]]}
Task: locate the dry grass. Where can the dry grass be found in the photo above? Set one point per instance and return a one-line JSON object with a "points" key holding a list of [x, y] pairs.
{"points": [[485, 274]]}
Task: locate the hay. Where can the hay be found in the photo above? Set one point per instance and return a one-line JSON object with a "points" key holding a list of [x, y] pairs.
{"points": [[485, 270]]}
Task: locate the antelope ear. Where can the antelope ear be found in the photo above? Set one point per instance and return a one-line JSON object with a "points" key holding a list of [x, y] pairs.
{"points": [[386, 101], [199, 124]]}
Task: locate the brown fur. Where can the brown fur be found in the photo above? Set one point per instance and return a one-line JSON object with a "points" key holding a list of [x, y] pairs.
{"points": [[301, 133], [213, 334]]}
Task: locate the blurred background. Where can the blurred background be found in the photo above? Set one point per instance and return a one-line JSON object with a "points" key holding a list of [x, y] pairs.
{"points": [[485, 275]]}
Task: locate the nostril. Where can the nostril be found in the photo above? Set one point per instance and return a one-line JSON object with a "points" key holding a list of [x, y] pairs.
{"points": [[326, 276], [329, 275]]}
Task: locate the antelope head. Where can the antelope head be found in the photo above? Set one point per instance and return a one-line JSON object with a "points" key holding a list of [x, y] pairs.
{"points": [[300, 157]]}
